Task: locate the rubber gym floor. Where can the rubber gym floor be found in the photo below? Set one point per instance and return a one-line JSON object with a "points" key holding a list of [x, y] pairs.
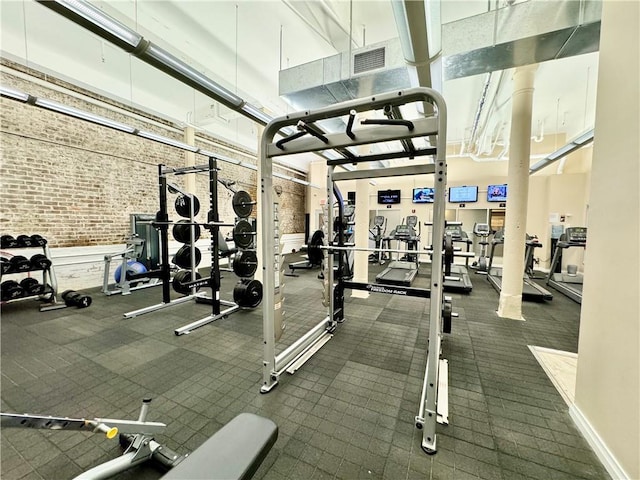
{"points": [[347, 413]]}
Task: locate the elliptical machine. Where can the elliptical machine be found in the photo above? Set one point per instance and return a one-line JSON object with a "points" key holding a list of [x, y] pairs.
{"points": [[482, 231], [378, 236]]}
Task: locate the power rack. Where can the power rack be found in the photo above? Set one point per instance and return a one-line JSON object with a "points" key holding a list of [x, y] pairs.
{"points": [[384, 124]]}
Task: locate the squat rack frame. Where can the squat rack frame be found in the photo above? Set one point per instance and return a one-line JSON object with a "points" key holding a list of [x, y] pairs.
{"points": [[213, 224], [311, 138]]}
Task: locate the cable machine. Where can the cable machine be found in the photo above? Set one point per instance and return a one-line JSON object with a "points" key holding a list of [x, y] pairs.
{"points": [[430, 132]]}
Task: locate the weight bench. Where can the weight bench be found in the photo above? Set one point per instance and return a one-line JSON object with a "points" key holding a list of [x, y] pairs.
{"points": [[233, 452]]}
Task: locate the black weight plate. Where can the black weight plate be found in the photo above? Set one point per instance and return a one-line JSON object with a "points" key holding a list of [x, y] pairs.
{"points": [[245, 263], [314, 252], [182, 231], [242, 204], [38, 240], [183, 256], [183, 206], [243, 234], [182, 277], [248, 293], [7, 241]]}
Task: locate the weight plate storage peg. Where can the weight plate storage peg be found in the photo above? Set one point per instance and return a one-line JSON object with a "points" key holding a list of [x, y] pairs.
{"points": [[248, 293], [182, 231], [183, 256], [183, 205], [242, 204], [181, 278], [245, 263], [243, 234]]}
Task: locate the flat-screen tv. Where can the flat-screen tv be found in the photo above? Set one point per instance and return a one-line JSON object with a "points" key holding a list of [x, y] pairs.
{"points": [[497, 193], [388, 197], [423, 195], [463, 194]]}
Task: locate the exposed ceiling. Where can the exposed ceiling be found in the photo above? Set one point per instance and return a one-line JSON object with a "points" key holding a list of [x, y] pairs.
{"points": [[244, 45]]}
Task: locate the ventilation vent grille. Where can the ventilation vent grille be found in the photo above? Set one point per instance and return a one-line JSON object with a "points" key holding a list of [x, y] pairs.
{"points": [[366, 61]]}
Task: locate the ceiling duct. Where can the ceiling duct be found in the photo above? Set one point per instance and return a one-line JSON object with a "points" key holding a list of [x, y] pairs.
{"points": [[520, 34]]}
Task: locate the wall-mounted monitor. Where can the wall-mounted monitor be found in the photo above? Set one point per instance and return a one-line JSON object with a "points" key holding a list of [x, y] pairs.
{"points": [[424, 195], [497, 193], [388, 197], [463, 194]]}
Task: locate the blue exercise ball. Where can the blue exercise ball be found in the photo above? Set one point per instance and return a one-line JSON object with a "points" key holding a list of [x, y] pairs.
{"points": [[133, 267]]}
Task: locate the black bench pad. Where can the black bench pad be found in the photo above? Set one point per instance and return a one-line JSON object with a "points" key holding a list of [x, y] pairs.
{"points": [[233, 452]]}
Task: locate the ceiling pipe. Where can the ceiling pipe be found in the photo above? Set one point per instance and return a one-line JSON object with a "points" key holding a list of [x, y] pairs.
{"points": [[95, 20]]}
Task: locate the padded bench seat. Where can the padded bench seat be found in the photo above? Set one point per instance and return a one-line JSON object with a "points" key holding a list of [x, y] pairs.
{"points": [[233, 452]]}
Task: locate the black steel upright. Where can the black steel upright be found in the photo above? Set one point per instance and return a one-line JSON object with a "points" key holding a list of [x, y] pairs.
{"points": [[215, 232], [162, 217]]}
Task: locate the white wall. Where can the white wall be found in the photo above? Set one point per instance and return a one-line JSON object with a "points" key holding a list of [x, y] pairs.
{"points": [[607, 398]]}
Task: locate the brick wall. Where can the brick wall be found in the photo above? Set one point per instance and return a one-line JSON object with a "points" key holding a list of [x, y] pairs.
{"points": [[76, 183]]}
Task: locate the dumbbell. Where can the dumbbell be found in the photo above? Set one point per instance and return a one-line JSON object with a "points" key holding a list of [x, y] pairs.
{"points": [[10, 290], [40, 262], [24, 241], [31, 286], [20, 264], [38, 241], [7, 241], [5, 265], [76, 299]]}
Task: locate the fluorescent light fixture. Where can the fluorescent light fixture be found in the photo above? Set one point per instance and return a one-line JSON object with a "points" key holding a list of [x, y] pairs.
{"points": [[89, 117], [562, 151], [248, 165], [98, 18], [207, 153], [281, 175], [256, 114], [13, 93], [297, 180], [167, 141], [584, 138], [173, 65]]}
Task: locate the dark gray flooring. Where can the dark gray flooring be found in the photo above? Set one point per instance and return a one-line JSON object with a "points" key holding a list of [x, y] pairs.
{"points": [[348, 413]]}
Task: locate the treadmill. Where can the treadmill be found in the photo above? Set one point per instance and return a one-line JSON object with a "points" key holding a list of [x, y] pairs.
{"points": [[402, 271], [567, 283], [531, 291], [458, 280]]}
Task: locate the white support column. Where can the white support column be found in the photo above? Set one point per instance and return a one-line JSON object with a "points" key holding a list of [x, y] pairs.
{"points": [[361, 259], [510, 305], [190, 160]]}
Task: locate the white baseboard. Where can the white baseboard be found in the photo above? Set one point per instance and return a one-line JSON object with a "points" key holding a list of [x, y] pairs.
{"points": [[599, 447]]}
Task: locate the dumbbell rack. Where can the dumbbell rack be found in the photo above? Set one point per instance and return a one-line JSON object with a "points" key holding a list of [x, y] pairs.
{"points": [[48, 280]]}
